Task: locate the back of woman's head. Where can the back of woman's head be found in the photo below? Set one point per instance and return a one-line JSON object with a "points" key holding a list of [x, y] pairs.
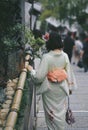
{"points": [[54, 41]]}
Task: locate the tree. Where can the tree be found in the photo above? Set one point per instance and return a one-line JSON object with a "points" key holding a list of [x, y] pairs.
{"points": [[71, 10]]}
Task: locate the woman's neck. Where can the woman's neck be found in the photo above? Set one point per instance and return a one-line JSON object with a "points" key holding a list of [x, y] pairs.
{"points": [[57, 50]]}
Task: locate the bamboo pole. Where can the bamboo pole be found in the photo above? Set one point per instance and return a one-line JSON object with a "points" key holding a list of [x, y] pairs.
{"points": [[12, 117], [11, 120]]}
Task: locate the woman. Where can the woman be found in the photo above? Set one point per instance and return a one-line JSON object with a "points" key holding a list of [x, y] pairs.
{"points": [[54, 99]]}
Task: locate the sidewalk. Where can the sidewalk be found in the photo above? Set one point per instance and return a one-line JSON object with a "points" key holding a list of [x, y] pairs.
{"points": [[79, 104]]}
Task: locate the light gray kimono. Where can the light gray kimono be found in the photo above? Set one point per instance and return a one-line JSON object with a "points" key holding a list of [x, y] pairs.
{"points": [[54, 99]]}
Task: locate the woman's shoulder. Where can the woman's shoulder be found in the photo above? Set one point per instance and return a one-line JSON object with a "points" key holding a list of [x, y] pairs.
{"points": [[47, 54], [65, 54], [51, 53]]}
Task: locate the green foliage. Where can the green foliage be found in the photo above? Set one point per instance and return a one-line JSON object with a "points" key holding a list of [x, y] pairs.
{"points": [[45, 14], [9, 17], [9, 14], [9, 44], [30, 39], [10, 34], [11, 40], [65, 9]]}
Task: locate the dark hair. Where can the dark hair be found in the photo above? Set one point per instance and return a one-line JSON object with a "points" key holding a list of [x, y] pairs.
{"points": [[54, 42], [77, 38], [69, 33]]}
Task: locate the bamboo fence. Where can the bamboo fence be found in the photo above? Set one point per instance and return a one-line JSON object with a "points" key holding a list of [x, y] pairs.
{"points": [[12, 117]]}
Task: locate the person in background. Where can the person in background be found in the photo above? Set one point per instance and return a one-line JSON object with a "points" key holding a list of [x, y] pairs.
{"points": [[54, 99], [77, 50], [69, 45], [85, 55]]}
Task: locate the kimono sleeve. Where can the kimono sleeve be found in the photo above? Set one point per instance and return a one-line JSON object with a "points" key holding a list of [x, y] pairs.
{"points": [[71, 77], [42, 70]]}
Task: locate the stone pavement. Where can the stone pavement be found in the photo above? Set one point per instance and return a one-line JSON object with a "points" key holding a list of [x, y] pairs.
{"points": [[79, 104]]}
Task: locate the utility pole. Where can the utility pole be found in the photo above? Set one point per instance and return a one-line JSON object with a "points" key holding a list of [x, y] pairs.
{"points": [[22, 6], [32, 2], [22, 2]]}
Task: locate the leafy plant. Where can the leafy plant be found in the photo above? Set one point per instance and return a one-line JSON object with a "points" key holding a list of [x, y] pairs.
{"points": [[12, 40], [35, 43]]}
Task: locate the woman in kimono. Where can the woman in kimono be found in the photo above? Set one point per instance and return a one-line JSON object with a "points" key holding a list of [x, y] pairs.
{"points": [[54, 98]]}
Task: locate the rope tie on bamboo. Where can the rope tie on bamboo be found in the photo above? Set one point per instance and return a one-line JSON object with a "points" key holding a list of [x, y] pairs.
{"points": [[14, 110], [26, 60], [24, 70], [19, 88]]}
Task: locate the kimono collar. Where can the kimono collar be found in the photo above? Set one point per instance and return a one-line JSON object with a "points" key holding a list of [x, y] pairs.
{"points": [[56, 53]]}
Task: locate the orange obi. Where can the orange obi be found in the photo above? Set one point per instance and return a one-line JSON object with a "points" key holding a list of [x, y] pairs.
{"points": [[57, 75]]}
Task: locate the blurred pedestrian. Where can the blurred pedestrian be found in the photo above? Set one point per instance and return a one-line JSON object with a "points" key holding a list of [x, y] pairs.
{"points": [[54, 99], [77, 50], [85, 55], [69, 45]]}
